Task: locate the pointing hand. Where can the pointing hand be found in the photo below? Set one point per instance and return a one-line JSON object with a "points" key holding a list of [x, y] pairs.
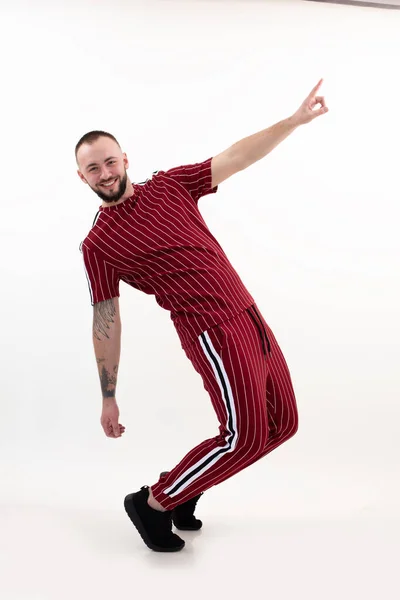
{"points": [[308, 111]]}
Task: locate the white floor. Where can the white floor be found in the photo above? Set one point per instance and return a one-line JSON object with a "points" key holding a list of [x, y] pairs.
{"points": [[61, 553]]}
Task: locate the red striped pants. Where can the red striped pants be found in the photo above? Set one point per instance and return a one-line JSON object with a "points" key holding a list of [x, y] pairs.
{"points": [[248, 380]]}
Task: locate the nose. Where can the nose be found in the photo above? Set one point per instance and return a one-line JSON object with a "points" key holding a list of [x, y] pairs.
{"points": [[105, 176]]}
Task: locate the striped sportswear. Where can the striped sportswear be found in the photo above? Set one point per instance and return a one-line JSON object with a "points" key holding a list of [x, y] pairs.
{"points": [[158, 242]]}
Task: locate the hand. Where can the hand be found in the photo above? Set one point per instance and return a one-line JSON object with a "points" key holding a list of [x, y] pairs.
{"points": [[307, 112], [110, 418]]}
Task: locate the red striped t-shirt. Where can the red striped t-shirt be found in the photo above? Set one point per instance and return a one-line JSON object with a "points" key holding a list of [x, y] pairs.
{"points": [[158, 242]]}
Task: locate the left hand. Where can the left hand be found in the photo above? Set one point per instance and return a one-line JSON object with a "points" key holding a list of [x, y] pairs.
{"points": [[110, 419], [307, 111]]}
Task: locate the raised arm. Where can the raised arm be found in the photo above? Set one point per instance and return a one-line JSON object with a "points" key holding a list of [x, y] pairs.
{"points": [[107, 348], [255, 147]]}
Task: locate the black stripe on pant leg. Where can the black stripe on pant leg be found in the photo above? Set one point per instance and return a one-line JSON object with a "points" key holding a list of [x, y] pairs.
{"points": [[230, 425]]}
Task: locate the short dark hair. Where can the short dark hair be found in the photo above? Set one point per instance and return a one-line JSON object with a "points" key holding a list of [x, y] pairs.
{"points": [[91, 137]]}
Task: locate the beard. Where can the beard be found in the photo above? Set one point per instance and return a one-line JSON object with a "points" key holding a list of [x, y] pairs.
{"points": [[119, 189]]}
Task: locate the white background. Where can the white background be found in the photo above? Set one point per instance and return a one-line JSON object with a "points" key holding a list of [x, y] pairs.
{"points": [[312, 229]]}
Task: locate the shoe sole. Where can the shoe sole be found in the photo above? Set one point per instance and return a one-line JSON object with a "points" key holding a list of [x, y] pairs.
{"points": [[134, 517], [186, 528]]}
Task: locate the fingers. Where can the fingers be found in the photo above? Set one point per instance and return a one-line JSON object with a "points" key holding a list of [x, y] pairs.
{"points": [[308, 111], [319, 112], [115, 428], [108, 430], [313, 102], [318, 100], [112, 430], [315, 90]]}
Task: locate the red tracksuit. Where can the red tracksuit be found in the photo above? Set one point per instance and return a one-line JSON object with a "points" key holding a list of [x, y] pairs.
{"points": [[158, 242]]}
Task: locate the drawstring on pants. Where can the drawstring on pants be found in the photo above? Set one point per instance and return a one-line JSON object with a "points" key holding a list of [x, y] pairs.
{"points": [[261, 329]]}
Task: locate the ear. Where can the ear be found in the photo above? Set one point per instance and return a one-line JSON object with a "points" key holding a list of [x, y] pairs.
{"points": [[81, 177], [126, 161]]}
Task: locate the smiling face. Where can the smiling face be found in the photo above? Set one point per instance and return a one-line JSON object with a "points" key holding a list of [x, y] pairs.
{"points": [[102, 165]]}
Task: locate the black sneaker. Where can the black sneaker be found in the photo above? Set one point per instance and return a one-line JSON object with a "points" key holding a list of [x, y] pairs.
{"points": [[183, 515], [154, 526]]}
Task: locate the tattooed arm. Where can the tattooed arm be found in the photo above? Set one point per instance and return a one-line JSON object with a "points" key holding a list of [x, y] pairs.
{"points": [[107, 348]]}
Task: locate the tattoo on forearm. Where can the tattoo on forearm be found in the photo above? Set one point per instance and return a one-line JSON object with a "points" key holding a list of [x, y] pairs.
{"points": [[104, 313], [108, 382], [103, 317]]}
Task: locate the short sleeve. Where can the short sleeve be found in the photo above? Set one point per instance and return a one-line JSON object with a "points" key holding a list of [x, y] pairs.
{"points": [[102, 278], [195, 178]]}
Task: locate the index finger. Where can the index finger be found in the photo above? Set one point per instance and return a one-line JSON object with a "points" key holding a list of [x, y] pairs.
{"points": [[315, 90]]}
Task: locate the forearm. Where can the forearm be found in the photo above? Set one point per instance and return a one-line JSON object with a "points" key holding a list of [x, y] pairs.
{"points": [[107, 345], [253, 148]]}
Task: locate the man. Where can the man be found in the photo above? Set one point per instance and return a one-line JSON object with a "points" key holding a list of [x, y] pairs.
{"points": [[152, 236]]}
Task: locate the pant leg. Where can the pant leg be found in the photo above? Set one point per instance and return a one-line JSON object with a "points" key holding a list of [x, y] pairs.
{"points": [[283, 418], [279, 394], [231, 360]]}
